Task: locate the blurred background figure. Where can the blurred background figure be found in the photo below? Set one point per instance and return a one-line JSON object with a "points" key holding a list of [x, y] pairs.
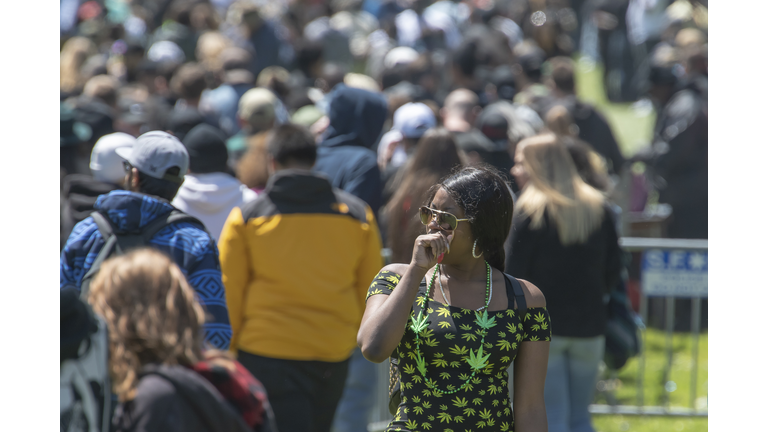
{"points": [[411, 121], [679, 153], [435, 156], [86, 396], [591, 126], [209, 191], [565, 241], [255, 114], [80, 191], [356, 118]]}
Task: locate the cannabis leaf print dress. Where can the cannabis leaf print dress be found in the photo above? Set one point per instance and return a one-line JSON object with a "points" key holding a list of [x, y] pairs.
{"points": [[450, 351]]}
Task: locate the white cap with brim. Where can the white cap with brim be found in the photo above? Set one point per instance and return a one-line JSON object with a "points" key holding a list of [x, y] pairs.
{"points": [[106, 165], [154, 153], [413, 119]]}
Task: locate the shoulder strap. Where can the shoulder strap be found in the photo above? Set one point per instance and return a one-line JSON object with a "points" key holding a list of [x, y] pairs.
{"points": [[120, 243], [158, 224], [110, 242], [517, 291]]}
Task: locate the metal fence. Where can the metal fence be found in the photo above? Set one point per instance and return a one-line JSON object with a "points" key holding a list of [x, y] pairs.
{"points": [[668, 254], [674, 251]]}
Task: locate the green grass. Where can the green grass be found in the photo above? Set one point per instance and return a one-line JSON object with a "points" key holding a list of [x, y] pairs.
{"points": [[647, 424], [633, 128], [623, 388]]}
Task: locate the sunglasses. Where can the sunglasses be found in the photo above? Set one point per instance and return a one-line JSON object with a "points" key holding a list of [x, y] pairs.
{"points": [[445, 220], [127, 167]]}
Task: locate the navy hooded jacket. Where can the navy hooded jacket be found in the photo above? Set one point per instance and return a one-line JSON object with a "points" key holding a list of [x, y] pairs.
{"points": [[356, 119], [189, 246]]}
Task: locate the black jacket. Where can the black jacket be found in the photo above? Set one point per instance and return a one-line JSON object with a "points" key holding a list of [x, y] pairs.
{"points": [[78, 195], [595, 130], [574, 279], [345, 155], [174, 398], [681, 164]]}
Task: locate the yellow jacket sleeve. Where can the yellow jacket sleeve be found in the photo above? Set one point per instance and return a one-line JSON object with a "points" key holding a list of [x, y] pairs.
{"points": [[234, 258], [372, 261]]}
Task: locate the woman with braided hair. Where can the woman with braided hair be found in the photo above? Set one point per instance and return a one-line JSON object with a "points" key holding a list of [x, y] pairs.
{"points": [[452, 321]]}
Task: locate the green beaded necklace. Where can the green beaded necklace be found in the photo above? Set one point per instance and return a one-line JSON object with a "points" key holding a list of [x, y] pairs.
{"points": [[476, 359]]}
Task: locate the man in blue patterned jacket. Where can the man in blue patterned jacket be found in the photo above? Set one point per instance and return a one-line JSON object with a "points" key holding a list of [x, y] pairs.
{"points": [[155, 169]]}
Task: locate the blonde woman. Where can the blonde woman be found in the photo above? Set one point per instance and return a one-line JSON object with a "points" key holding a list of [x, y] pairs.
{"points": [[73, 55], [155, 338], [564, 241]]}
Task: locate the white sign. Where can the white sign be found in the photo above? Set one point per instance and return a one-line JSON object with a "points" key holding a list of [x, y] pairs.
{"points": [[674, 273]]}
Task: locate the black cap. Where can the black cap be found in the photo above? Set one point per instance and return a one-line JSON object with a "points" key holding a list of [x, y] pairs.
{"points": [[182, 120], [504, 80], [207, 149], [494, 125]]}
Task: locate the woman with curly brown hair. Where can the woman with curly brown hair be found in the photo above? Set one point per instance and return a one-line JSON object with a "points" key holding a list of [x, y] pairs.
{"points": [[155, 341]]}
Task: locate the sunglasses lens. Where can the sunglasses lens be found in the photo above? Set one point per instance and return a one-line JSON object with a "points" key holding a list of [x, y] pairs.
{"points": [[448, 220], [425, 215]]}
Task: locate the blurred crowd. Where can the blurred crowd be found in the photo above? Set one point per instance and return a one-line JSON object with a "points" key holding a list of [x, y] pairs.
{"points": [[489, 71], [394, 94]]}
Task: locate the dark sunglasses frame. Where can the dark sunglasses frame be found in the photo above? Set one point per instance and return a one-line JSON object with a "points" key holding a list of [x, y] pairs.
{"points": [[427, 215]]}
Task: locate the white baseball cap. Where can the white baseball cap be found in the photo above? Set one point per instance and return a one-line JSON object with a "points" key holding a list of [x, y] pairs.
{"points": [[106, 165], [155, 152], [413, 119]]}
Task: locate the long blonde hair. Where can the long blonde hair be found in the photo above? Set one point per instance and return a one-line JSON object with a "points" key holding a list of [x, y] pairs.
{"points": [[556, 189], [73, 55], [151, 313]]}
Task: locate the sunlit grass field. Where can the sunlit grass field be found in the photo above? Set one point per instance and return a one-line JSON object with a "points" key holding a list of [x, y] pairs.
{"points": [[657, 379]]}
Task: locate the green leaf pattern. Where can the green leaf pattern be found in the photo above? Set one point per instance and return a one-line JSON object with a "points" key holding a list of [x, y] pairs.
{"points": [[449, 354]]}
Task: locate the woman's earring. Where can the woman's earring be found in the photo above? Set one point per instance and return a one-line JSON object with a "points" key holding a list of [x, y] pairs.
{"points": [[473, 250]]}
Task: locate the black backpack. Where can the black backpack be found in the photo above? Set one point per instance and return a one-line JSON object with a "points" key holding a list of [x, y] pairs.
{"points": [[118, 243], [514, 290], [85, 399]]}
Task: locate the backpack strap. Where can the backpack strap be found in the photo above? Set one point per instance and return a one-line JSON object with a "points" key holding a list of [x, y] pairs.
{"points": [[149, 230], [110, 243], [121, 243], [515, 290]]}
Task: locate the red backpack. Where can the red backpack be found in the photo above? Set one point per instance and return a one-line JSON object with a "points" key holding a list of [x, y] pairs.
{"points": [[241, 389]]}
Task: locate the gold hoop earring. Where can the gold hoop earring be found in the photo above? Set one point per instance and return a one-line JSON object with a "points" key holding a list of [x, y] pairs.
{"points": [[473, 250]]}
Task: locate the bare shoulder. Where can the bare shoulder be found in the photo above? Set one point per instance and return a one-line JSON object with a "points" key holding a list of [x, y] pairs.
{"points": [[533, 295], [397, 268]]}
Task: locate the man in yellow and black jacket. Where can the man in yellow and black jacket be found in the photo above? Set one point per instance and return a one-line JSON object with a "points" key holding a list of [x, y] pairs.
{"points": [[296, 263]]}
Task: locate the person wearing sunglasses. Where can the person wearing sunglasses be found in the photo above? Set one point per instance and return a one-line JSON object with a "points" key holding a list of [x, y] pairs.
{"points": [[452, 322]]}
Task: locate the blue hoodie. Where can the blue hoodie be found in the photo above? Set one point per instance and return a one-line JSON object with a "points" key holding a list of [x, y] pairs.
{"points": [[356, 119], [190, 247]]}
